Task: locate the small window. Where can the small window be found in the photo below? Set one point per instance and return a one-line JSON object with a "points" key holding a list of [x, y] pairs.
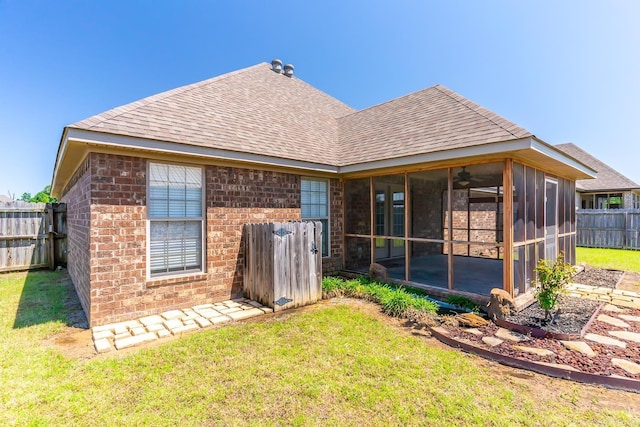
{"points": [[315, 206], [174, 212]]}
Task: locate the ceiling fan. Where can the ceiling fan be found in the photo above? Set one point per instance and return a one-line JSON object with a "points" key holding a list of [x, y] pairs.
{"points": [[464, 178]]}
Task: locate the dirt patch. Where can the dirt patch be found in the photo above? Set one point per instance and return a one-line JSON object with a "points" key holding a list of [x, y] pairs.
{"points": [[598, 277]]}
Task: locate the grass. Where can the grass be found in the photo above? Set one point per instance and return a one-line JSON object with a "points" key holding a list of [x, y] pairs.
{"points": [[330, 365], [612, 259]]}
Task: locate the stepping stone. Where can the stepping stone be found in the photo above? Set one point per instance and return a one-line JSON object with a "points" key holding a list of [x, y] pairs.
{"points": [[626, 335], [119, 330], [102, 334], [474, 331], [173, 323], [534, 350], [506, 334], [629, 317], [612, 308], [255, 304], [173, 314], [209, 312], [202, 322], [102, 345], [163, 333], [156, 327], [202, 306], [266, 309], [122, 335], [151, 320], [139, 330], [135, 340], [492, 341], [219, 319], [612, 321], [580, 347], [184, 328], [601, 339], [244, 314], [559, 365], [229, 310], [629, 366]]}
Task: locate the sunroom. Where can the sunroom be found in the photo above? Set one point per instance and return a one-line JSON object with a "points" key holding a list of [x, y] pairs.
{"points": [[465, 227]]}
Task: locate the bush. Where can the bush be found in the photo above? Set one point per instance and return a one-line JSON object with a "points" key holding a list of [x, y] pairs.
{"points": [[395, 301], [552, 279], [463, 302]]}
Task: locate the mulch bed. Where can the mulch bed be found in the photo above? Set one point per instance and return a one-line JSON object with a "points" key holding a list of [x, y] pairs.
{"points": [[575, 313]]}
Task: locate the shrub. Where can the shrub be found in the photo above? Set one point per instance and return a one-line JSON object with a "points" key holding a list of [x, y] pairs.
{"points": [[552, 279], [395, 301], [463, 302]]}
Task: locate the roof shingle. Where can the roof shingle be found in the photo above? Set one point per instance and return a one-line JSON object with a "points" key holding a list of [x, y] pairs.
{"points": [[607, 179]]}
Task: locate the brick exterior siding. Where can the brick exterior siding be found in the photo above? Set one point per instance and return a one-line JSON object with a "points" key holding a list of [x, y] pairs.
{"points": [[108, 238]]}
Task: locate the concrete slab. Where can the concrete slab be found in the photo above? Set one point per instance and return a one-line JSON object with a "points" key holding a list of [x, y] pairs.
{"points": [[135, 340], [629, 366], [629, 318], [103, 345], [533, 350], [102, 334], [173, 323], [202, 322], [245, 314], [220, 319], [172, 314], [184, 328], [474, 331], [492, 341], [156, 327], [151, 320], [506, 334]]}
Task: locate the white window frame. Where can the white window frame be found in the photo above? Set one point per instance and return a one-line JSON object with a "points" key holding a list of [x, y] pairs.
{"points": [[201, 219], [326, 218]]}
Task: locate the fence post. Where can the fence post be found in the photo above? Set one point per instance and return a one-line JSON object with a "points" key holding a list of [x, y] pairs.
{"points": [[48, 223]]}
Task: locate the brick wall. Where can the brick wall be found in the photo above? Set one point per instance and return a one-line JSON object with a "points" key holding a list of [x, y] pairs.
{"points": [[106, 206], [334, 263], [77, 196]]}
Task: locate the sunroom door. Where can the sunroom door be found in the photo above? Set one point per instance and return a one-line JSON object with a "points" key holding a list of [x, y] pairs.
{"points": [[551, 220], [389, 220]]}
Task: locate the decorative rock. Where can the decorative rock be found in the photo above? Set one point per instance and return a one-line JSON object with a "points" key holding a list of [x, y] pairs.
{"points": [[626, 335], [500, 304], [134, 340], [601, 339], [492, 341], [612, 321], [378, 273], [102, 345], [580, 347], [629, 318], [534, 350], [473, 331], [506, 334], [151, 320], [629, 366], [471, 319]]}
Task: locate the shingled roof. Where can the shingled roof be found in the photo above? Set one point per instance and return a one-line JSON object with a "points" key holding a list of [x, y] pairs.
{"points": [[608, 179], [253, 110], [257, 111]]}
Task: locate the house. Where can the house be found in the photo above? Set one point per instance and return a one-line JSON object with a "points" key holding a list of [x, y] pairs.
{"points": [[444, 193], [610, 190]]}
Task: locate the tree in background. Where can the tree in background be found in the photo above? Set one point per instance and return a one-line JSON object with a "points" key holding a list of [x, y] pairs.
{"points": [[43, 196]]}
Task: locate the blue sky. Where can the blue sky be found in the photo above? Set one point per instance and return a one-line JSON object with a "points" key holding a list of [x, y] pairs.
{"points": [[568, 71]]}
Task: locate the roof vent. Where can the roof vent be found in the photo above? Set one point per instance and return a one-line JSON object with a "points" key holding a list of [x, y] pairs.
{"points": [[276, 66], [288, 70]]}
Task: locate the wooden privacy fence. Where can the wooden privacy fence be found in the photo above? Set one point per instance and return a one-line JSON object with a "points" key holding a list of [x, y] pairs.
{"points": [[283, 263], [32, 235], [610, 228]]}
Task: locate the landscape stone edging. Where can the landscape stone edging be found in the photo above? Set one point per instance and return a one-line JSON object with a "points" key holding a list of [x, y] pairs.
{"points": [[619, 383]]}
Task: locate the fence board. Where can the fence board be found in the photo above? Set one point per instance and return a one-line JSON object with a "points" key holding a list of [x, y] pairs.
{"points": [[611, 228], [30, 233], [283, 263]]}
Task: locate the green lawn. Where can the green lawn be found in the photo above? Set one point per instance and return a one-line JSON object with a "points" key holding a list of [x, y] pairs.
{"points": [[333, 364], [613, 259]]}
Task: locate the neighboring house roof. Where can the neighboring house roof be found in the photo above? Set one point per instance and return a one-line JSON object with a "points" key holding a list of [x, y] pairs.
{"points": [[608, 178], [257, 116]]}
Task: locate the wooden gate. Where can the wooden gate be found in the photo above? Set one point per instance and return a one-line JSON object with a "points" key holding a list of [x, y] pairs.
{"points": [[32, 235], [283, 263]]}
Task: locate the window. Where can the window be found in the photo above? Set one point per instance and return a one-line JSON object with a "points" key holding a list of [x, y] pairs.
{"points": [[174, 206], [315, 206]]}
